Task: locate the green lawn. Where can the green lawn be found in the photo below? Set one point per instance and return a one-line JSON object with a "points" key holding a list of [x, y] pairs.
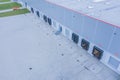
{"points": [[14, 12], [4, 0], [9, 5]]}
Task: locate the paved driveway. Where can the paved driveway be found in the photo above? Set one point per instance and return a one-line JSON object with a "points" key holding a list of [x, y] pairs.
{"points": [[30, 50]]}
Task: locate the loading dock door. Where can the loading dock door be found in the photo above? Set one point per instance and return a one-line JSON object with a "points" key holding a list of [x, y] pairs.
{"points": [[25, 4], [49, 21], [37, 12], [97, 52], [32, 10], [85, 44], [75, 38], [45, 18], [59, 30]]}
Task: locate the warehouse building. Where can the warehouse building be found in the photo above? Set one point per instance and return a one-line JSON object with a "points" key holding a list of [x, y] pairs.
{"points": [[93, 25]]}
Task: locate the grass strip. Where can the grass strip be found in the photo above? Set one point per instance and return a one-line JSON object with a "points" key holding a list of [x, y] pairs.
{"points": [[14, 12], [4, 0], [9, 5]]}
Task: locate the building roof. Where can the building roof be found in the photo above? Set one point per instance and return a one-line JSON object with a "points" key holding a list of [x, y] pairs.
{"points": [[105, 10]]}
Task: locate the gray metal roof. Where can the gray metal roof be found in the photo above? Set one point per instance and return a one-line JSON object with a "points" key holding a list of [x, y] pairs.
{"points": [[105, 10]]}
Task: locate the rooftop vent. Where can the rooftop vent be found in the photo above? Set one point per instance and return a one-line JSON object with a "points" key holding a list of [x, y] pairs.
{"points": [[98, 0], [90, 7]]}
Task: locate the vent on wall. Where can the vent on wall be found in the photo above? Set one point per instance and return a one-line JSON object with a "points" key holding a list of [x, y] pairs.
{"points": [[97, 52], [37, 12], [49, 21], [45, 18], [85, 44], [113, 62], [32, 10], [75, 38]]}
